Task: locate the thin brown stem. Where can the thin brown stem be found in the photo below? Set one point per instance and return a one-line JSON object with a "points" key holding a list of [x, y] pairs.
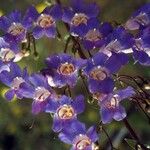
{"points": [[75, 41], [108, 138], [133, 134], [138, 102], [66, 45]]}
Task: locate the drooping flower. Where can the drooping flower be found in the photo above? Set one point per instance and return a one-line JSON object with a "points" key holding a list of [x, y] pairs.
{"points": [[110, 107], [95, 34], [65, 111], [78, 15], [141, 48], [15, 27], [63, 70], [80, 138], [140, 18], [119, 41], [44, 23], [37, 88], [99, 70], [13, 76]]}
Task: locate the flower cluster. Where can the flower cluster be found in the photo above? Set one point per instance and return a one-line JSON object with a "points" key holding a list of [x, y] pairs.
{"points": [[109, 48]]}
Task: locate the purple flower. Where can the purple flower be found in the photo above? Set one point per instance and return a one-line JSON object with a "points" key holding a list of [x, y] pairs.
{"points": [[140, 18], [44, 23], [65, 111], [4, 66], [63, 70], [13, 77], [37, 88], [141, 48], [14, 27], [119, 41], [10, 53], [110, 107], [78, 15], [95, 34], [77, 136], [99, 70]]}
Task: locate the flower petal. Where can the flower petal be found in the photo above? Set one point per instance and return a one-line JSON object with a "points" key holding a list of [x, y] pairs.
{"points": [[10, 94], [38, 32], [57, 124], [92, 134], [106, 115], [120, 113], [78, 104]]}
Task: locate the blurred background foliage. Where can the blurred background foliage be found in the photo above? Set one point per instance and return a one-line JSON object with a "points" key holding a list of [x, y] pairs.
{"points": [[20, 130]]}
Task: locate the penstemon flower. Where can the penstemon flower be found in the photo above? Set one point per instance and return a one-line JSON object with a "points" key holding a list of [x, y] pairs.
{"points": [[14, 27], [78, 15], [78, 137], [44, 23], [9, 53], [140, 18], [99, 70], [13, 77], [99, 51], [110, 107], [95, 34], [37, 88], [65, 111], [119, 41], [141, 50], [63, 70]]}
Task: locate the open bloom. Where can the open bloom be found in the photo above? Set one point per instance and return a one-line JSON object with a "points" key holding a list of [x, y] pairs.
{"points": [[65, 111], [44, 23], [110, 107], [141, 48], [80, 138], [63, 70], [140, 18], [78, 15], [99, 70], [119, 41], [14, 26], [13, 76], [95, 34], [37, 88]]}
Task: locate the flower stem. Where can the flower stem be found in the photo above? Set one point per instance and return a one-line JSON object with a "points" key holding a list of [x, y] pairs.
{"points": [[75, 41], [108, 138], [133, 134], [67, 43]]}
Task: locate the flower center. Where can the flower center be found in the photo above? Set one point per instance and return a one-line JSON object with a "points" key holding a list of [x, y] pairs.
{"points": [[98, 73], [65, 112], [93, 35], [6, 54], [78, 19], [114, 102], [66, 69], [16, 29], [81, 142], [45, 21], [41, 94], [16, 82]]}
